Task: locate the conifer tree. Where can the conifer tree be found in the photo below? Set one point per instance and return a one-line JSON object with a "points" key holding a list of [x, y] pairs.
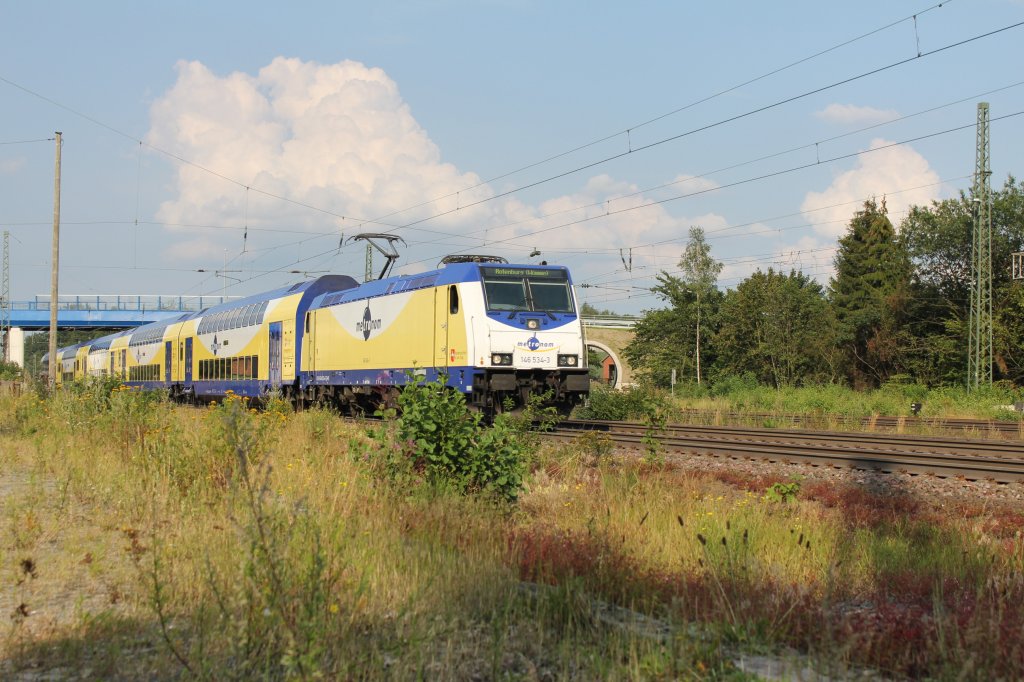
{"points": [[869, 294]]}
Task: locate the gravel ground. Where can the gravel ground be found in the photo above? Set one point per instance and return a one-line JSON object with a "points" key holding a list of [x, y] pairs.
{"points": [[919, 485]]}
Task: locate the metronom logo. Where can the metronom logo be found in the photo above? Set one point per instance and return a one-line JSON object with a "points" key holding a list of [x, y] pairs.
{"points": [[368, 324]]}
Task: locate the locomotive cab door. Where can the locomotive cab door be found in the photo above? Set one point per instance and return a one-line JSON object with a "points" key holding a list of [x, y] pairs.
{"points": [[441, 329], [309, 344]]}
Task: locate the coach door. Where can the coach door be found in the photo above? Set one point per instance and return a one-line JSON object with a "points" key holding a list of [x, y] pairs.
{"points": [[124, 364], [274, 359], [188, 361], [111, 364], [168, 356]]}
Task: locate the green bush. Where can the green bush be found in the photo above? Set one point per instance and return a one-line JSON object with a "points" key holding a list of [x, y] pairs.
{"points": [[9, 371], [635, 403], [445, 442], [732, 384], [691, 390]]}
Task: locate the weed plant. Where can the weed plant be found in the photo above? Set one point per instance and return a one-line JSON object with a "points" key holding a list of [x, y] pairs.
{"points": [[143, 540]]}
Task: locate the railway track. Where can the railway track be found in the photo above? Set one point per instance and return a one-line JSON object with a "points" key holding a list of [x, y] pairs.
{"points": [[998, 461], [1003, 428]]}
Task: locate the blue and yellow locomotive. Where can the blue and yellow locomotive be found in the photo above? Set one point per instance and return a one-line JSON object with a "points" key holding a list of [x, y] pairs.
{"points": [[496, 332]]}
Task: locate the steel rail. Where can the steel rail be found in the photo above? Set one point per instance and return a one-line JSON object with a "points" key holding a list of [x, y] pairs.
{"points": [[1008, 427], [899, 443], [969, 459]]}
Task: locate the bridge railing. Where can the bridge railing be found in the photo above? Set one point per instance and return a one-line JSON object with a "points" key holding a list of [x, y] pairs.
{"points": [[124, 302], [610, 321]]}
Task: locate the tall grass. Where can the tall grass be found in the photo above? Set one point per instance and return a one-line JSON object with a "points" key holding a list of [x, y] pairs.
{"points": [[229, 542], [824, 405]]}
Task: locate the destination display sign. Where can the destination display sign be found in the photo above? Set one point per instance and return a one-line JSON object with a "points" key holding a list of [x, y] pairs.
{"points": [[518, 273]]}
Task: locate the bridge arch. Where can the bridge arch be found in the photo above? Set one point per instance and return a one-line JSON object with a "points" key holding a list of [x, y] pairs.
{"points": [[610, 352], [611, 337]]}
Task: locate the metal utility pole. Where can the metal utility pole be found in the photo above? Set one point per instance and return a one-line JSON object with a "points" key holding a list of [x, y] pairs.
{"points": [[5, 299], [979, 351], [54, 259]]}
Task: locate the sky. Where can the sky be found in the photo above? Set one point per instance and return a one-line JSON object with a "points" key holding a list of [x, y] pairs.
{"points": [[252, 140]]}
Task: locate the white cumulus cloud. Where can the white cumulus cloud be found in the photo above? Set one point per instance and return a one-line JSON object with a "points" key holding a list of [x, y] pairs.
{"points": [[898, 174], [850, 114], [338, 137], [607, 214]]}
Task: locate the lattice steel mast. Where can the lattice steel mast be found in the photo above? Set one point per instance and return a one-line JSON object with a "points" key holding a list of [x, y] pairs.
{"points": [[979, 351]]}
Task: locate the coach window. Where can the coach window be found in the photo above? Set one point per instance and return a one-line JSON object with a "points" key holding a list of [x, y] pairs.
{"points": [[453, 299]]}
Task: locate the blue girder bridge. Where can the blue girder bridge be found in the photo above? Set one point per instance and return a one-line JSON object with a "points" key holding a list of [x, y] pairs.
{"points": [[111, 311]]}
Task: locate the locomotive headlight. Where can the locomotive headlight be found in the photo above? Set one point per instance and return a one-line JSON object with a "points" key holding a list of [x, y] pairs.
{"points": [[568, 360], [501, 359], [533, 324]]}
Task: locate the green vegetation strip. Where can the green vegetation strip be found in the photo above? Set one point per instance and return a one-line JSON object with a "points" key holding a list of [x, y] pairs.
{"points": [[139, 540]]}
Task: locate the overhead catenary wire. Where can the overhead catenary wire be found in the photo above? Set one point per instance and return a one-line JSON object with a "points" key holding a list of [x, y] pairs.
{"points": [[706, 174], [41, 139], [378, 221], [745, 181], [748, 180], [245, 227], [627, 131], [463, 206], [715, 124]]}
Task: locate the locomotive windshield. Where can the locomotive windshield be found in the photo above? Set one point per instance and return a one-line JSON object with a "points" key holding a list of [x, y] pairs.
{"points": [[526, 289]]}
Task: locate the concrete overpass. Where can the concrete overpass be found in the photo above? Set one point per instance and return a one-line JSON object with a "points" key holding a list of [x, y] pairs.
{"points": [[114, 311], [610, 335], [95, 311]]}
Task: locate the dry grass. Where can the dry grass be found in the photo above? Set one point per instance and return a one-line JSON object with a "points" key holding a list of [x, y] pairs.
{"points": [[142, 540]]}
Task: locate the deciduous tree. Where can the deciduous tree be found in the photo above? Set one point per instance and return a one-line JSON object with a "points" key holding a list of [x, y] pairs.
{"points": [[938, 240], [779, 328], [677, 337]]}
